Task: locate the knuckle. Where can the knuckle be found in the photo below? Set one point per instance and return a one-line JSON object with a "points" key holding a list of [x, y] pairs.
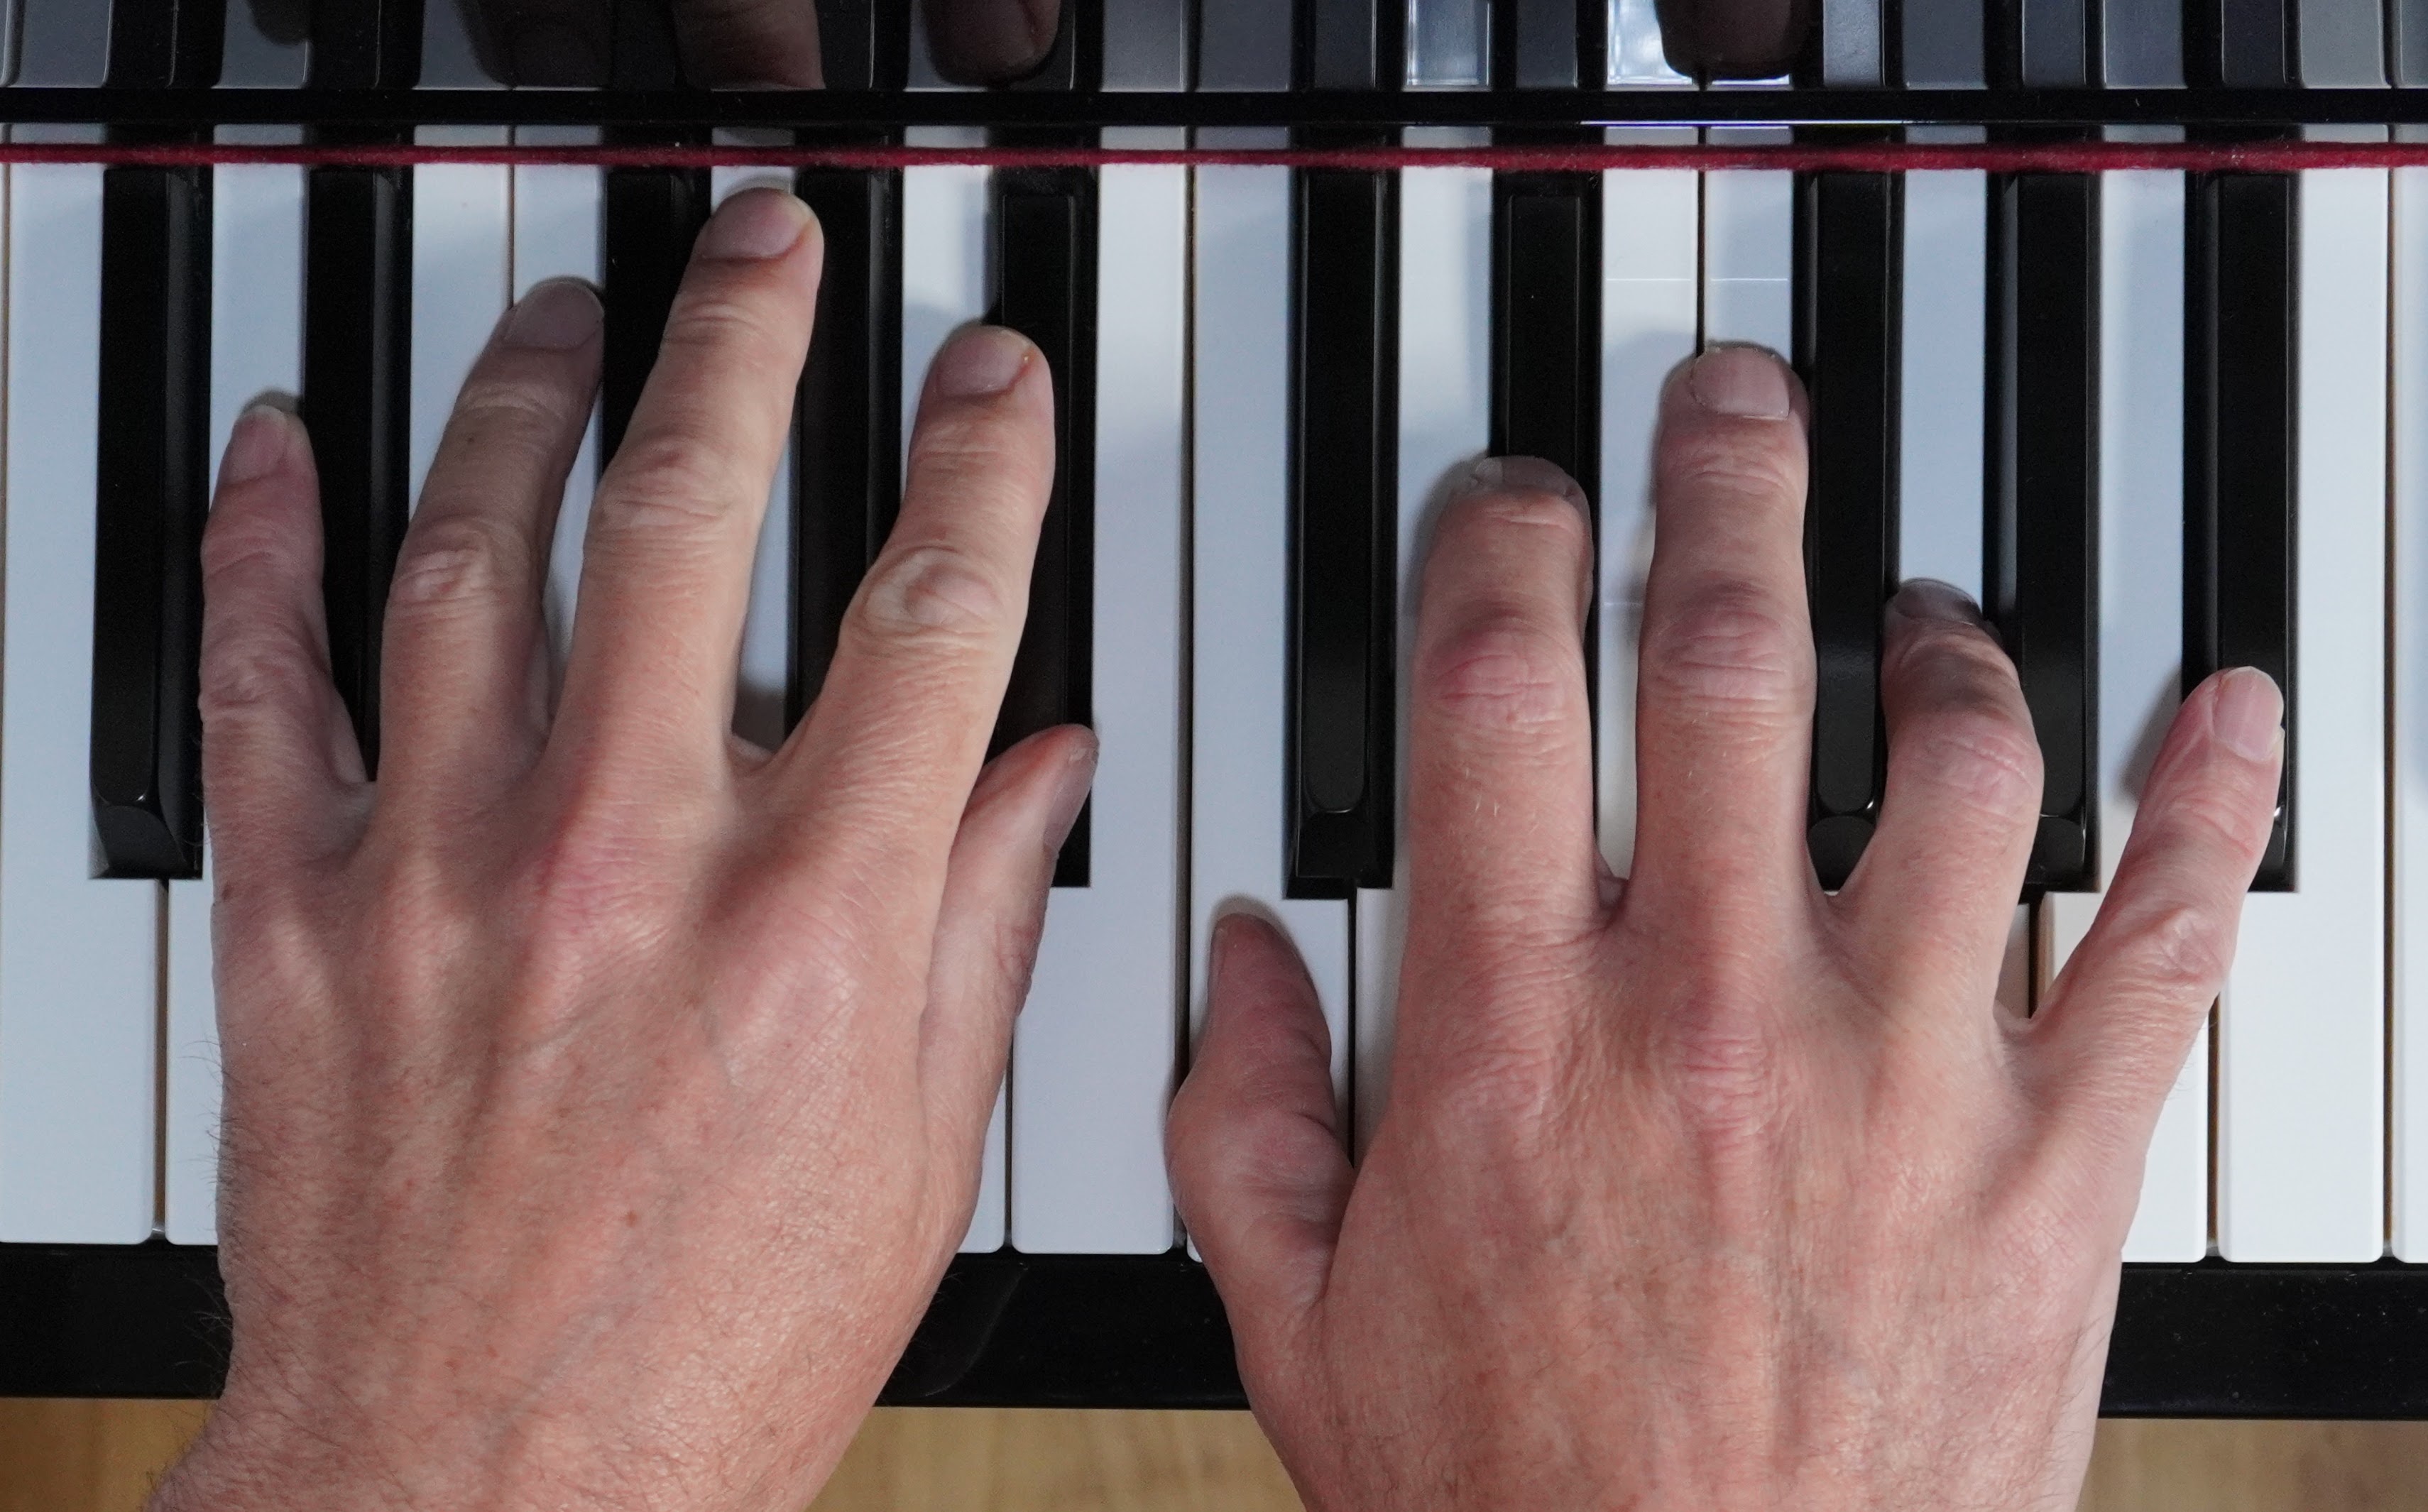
{"points": [[1727, 464], [1976, 754], [965, 446], [2178, 951], [1502, 668], [938, 591], [716, 317], [669, 482], [460, 557], [1729, 647], [239, 677], [1720, 1049]]}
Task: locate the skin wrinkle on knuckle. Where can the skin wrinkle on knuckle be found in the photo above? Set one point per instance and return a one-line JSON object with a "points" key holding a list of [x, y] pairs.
{"points": [[676, 481], [977, 450], [2176, 950], [1499, 668], [935, 594], [1729, 646], [460, 560], [1726, 465], [1978, 758]]}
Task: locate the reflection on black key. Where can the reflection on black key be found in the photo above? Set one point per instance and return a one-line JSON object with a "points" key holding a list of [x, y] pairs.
{"points": [[1942, 44], [1349, 44], [2041, 571], [153, 491], [2051, 44], [847, 454], [1344, 504], [653, 215], [2239, 43], [1853, 48], [1546, 320], [2240, 348], [1849, 238], [357, 356], [1044, 224]]}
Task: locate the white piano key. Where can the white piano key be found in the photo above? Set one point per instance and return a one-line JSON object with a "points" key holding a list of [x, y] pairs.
{"points": [[1096, 1043], [2302, 1023], [556, 235], [256, 352], [1242, 557], [2015, 992], [461, 247], [1945, 360], [2140, 631], [79, 956], [1652, 231], [944, 288], [1445, 423], [768, 629], [1750, 251], [2410, 411]]}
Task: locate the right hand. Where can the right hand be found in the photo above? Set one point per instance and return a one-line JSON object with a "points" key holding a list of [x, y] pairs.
{"points": [[1709, 1190]]}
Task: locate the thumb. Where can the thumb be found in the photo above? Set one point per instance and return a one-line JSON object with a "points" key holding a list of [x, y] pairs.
{"points": [[1254, 1141]]}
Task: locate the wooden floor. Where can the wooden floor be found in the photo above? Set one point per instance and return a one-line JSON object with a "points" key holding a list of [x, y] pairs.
{"points": [[101, 1456]]}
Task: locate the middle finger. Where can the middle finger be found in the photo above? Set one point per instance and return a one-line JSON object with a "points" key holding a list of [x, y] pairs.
{"points": [[1724, 706], [666, 569]]}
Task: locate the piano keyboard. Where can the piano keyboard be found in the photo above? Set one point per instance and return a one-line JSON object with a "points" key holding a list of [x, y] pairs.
{"points": [[2156, 422]]}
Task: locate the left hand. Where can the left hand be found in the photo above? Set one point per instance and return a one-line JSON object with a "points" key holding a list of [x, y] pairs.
{"points": [[604, 1096]]}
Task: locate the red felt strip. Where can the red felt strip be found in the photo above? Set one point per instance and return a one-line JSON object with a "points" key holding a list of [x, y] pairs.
{"points": [[2093, 157]]}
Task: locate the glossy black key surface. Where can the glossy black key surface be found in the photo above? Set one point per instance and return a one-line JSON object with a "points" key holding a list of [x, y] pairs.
{"points": [[360, 44], [2041, 567], [846, 450], [1343, 44], [652, 216], [2240, 346], [1546, 320], [153, 493], [1246, 44], [1344, 526], [2141, 42], [160, 44], [2406, 45], [1550, 45], [1854, 43], [1849, 232], [863, 44], [2239, 43], [1044, 226], [357, 372]]}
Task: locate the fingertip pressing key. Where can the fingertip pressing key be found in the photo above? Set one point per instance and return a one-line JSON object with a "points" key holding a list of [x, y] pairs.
{"points": [[754, 225]]}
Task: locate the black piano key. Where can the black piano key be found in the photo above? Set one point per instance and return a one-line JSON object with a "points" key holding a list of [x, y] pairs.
{"points": [[1849, 309], [1351, 44], [153, 479], [160, 44], [1246, 44], [2041, 45], [2041, 565], [1344, 504], [652, 216], [1546, 320], [1045, 227], [357, 372], [2241, 347], [361, 45], [1941, 44], [2239, 43], [1550, 45], [846, 453]]}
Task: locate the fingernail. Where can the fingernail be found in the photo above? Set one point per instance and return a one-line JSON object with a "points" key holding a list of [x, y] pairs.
{"points": [[1747, 383], [1078, 777], [2249, 715], [1523, 475], [755, 223], [1930, 599], [556, 316], [981, 359], [257, 444]]}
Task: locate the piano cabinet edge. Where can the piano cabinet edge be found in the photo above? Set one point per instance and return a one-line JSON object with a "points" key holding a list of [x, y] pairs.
{"points": [[1013, 1330]]}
